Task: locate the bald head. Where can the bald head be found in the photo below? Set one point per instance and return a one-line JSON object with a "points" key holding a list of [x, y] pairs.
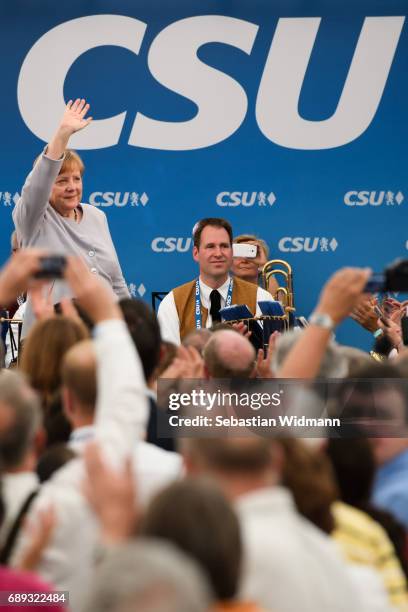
{"points": [[229, 355], [79, 374]]}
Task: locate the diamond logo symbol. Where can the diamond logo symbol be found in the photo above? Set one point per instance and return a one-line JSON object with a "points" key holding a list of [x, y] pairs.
{"points": [[399, 197], [333, 244], [271, 198], [141, 290], [144, 199], [16, 197]]}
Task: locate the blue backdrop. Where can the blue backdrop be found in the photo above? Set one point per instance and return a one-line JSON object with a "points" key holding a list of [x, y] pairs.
{"points": [[287, 118]]}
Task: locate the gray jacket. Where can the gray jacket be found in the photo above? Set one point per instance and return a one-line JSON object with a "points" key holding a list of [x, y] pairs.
{"points": [[39, 225]]}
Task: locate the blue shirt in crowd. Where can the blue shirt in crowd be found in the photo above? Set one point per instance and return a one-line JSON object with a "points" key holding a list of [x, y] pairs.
{"points": [[390, 490]]}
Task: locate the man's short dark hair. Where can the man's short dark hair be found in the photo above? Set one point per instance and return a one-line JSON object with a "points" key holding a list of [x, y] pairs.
{"points": [[213, 222], [145, 331], [354, 466]]}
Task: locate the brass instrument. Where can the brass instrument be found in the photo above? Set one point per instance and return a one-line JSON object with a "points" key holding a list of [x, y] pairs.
{"points": [[284, 292], [377, 356]]}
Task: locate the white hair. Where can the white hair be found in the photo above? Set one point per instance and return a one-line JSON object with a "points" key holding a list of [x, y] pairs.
{"points": [[334, 363], [148, 575]]}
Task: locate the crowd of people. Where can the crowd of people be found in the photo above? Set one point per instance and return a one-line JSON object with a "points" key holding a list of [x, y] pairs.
{"points": [[92, 495], [100, 511]]}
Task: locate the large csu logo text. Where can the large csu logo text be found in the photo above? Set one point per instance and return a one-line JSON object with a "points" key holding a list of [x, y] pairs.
{"points": [[307, 245], [373, 198], [221, 101]]}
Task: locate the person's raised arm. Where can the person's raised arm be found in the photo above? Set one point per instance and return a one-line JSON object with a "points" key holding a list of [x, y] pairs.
{"points": [[338, 298], [30, 208], [112, 495], [121, 410], [121, 414]]}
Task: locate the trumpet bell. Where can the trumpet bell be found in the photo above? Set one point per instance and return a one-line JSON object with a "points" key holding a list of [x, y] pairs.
{"points": [[284, 292]]}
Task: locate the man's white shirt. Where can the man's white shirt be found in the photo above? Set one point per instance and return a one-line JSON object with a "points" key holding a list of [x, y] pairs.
{"points": [[16, 487], [120, 423], [289, 565], [168, 316]]}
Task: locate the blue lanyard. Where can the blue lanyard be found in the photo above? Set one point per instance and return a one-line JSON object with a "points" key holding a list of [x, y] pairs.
{"points": [[198, 301]]}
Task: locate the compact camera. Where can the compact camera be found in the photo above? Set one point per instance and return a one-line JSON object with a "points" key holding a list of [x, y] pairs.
{"points": [[394, 278], [51, 266]]}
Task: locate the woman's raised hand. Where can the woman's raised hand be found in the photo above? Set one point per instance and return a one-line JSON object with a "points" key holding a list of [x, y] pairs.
{"points": [[74, 118], [72, 121]]}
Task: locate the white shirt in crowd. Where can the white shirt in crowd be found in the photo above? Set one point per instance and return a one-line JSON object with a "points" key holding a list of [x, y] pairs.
{"points": [[120, 424], [291, 566], [15, 489], [154, 467], [168, 317]]}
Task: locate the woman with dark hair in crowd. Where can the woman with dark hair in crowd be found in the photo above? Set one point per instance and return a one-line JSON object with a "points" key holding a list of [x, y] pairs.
{"points": [[202, 524]]}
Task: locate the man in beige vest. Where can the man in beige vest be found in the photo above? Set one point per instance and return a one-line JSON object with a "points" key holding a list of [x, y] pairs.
{"points": [[196, 304]]}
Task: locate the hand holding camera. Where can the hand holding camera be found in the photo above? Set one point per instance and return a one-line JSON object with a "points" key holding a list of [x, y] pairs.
{"points": [[51, 267], [17, 274]]}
